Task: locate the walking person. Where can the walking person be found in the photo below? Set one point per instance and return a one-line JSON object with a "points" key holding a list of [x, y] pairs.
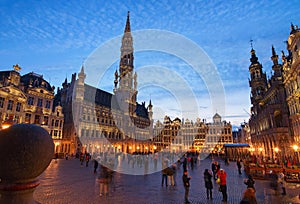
{"points": [[226, 161], [282, 183], [186, 183], [104, 179], [95, 165], [249, 197], [174, 168], [249, 182], [213, 169], [170, 174], [81, 158], [192, 163], [208, 183], [223, 187], [164, 177], [216, 169], [87, 159], [239, 165]]}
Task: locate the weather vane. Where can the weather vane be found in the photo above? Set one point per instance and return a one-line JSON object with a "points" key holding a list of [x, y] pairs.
{"points": [[251, 43]]}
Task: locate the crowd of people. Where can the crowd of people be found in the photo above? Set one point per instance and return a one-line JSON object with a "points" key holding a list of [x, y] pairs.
{"points": [[214, 177]]}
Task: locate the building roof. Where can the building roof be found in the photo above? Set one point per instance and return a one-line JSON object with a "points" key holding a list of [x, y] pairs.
{"points": [[103, 98], [35, 80], [97, 96], [217, 116]]}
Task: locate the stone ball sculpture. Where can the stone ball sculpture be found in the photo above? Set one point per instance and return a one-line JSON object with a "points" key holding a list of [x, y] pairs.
{"points": [[26, 150]]}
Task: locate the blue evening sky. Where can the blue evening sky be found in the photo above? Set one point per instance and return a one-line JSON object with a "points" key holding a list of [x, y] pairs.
{"points": [[54, 38]]}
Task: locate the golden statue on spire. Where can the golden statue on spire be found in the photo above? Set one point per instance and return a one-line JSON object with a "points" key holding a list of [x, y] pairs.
{"points": [[16, 67]]}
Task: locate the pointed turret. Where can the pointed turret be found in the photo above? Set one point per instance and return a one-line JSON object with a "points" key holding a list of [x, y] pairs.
{"points": [[277, 68], [258, 80], [124, 78], [81, 76], [274, 57], [127, 27], [126, 61], [293, 30], [150, 112], [150, 105], [82, 69], [79, 88], [65, 83]]}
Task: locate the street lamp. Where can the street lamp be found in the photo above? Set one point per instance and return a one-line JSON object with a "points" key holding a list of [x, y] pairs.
{"points": [[276, 149], [260, 150], [7, 123], [295, 147], [57, 143]]}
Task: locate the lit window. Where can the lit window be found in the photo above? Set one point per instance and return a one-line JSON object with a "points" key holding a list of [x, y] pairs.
{"points": [[46, 119], [10, 105], [36, 119], [48, 104], [40, 102], [18, 107], [30, 100], [27, 117]]}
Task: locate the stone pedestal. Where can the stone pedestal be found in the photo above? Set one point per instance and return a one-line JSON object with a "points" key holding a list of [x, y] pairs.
{"points": [[25, 152]]}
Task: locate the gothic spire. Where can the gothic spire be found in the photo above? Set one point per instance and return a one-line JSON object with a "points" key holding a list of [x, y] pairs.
{"points": [[293, 29], [82, 69], [81, 74], [127, 27], [274, 57], [273, 51]]}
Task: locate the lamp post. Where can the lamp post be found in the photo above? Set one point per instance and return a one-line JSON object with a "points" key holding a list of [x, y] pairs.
{"points": [[8, 122], [276, 149], [154, 147], [260, 150], [295, 147]]}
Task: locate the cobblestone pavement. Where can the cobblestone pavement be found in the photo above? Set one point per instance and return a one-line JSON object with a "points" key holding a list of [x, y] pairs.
{"points": [[67, 182]]}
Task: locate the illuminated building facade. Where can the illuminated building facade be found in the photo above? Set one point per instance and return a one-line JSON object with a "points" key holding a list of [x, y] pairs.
{"points": [[291, 68], [97, 121], [218, 133], [274, 103], [166, 135], [186, 135], [30, 99]]}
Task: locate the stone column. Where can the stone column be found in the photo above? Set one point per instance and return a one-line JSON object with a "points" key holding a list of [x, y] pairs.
{"points": [[25, 152]]}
